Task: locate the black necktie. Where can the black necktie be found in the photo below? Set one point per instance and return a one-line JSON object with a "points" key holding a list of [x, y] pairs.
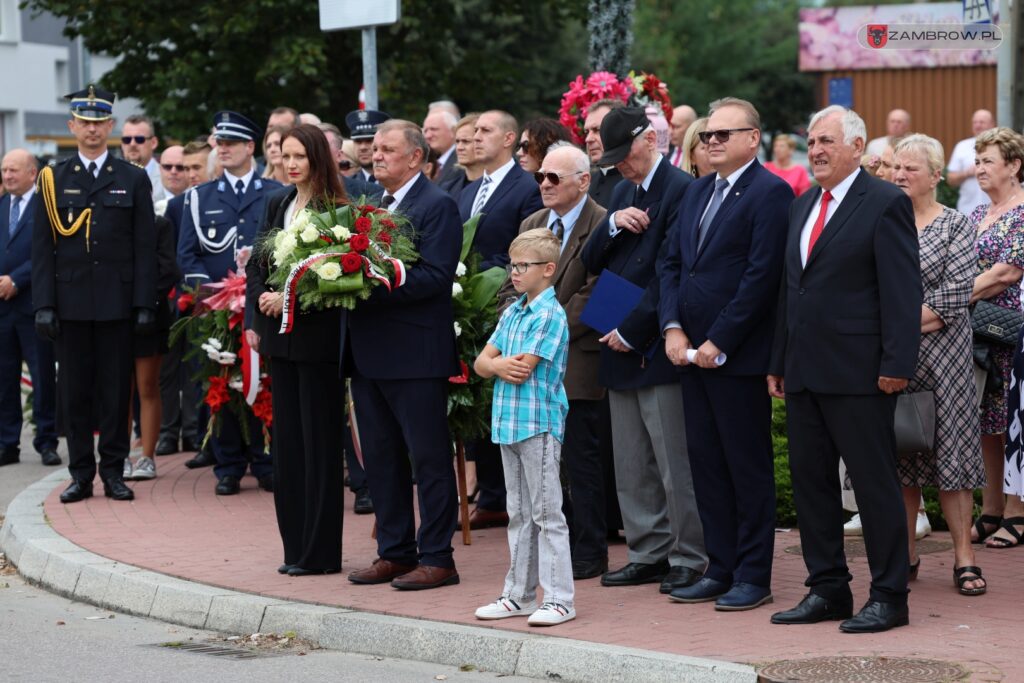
{"points": [[370, 178], [639, 195], [558, 228], [239, 188], [92, 168], [387, 200]]}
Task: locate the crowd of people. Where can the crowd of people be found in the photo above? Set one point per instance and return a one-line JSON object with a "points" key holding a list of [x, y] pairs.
{"points": [[838, 290]]}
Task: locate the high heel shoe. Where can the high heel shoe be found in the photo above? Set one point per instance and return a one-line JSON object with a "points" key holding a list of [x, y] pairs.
{"points": [[913, 569]]}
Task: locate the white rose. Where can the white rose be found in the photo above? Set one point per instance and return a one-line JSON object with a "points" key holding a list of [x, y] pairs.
{"points": [[458, 329], [160, 207], [309, 234], [278, 238], [456, 289], [460, 269], [283, 250], [299, 223], [329, 271], [342, 233]]}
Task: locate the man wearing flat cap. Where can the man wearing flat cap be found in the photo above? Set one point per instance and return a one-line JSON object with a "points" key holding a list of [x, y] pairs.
{"points": [[362, 125], [652, 471], [219, 219], [93, 280]]}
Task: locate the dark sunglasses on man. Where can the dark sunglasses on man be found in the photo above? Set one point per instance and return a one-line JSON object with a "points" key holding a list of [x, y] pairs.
{"points": [[180, 168], [552, 177], [720, 135], [137, 139]]}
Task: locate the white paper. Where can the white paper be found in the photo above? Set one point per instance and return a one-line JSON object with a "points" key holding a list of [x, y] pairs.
{"points": [[691, 355]]}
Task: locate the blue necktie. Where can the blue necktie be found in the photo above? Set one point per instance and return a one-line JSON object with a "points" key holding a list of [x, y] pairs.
{"points": [[721, 185], [239, 188], [15, 214]]}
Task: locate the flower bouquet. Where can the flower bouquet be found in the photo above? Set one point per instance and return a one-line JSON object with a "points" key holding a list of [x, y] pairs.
{"points": [[649, 90], [337, 257], [228, 368], [582, 93]]}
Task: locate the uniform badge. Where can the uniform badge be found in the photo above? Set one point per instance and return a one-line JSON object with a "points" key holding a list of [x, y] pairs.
{"points": [[110, 169], [69, 190], [363, 116], [211, 232], [225, 117], [77, 168]]}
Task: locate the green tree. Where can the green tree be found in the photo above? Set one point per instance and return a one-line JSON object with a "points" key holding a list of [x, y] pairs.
{"points": [[706, 49], [610, 24], [185, 61]]}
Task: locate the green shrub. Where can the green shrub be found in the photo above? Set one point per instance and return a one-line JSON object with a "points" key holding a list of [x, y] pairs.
{"points": [[785, 510]]}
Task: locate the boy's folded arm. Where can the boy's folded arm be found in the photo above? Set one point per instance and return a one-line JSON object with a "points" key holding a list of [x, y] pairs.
{"points": [[483, 363]]}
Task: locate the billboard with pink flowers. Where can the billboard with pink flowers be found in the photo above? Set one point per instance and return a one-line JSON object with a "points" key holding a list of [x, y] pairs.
{"points": [[832, 39]]}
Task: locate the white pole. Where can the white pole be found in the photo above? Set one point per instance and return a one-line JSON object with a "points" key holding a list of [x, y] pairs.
{"points": [[370, 66]]}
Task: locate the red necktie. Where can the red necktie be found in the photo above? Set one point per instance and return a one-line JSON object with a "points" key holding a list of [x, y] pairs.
{"points": [[819, 224]]}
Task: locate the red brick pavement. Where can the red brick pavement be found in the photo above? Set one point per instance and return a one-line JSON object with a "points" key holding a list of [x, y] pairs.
{"points": [[177, 526]]}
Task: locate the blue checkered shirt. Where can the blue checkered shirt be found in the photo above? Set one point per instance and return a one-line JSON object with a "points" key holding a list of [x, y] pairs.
{"points": [[539, 404]]}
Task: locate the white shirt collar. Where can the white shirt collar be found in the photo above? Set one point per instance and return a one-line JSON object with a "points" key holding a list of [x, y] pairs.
{"points": [[840, 190], [443, 159], [400, 193], [735, 175], [500, 173], [233, 180], [24, 197], [99, 161], [650, 176], [570, 217]]}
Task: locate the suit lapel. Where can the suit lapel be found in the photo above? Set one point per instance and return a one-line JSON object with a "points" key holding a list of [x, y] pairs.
{"points": [[105, 178], [839, 219], [733, 197], [22, 220], [510, 179], [801, 209]]}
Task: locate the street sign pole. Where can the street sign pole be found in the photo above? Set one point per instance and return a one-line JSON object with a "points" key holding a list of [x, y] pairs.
{"points": [[344, 15], [370, 66]]}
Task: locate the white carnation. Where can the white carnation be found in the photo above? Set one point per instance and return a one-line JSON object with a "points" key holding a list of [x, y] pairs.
{"points": [[460, 269], [456, 289], [309, 234], [215, 343], [227, 358], [236, 383], [458, 329], [342, 233], [329, 271]]}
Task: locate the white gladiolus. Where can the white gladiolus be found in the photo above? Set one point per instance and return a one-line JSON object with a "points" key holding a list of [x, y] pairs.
{"points": [[329, 271], [227, 358], [235, 383], [460, 269], [309, 234], [458, 329], [215, 343], [456, 289]]}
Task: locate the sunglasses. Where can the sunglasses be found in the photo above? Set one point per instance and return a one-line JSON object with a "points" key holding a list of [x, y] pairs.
{"points": [[552, 177], [180, 168], [345, 165], [137, 139], [523, 147], [720, 135], [523, 266]]}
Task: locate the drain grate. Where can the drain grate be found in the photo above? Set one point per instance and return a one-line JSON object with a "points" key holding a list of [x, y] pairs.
{"points": [[861, 670], [217, 651]]}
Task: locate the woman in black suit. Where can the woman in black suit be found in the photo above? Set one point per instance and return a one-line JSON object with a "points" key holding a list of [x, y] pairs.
{"points": [[308, 395]]}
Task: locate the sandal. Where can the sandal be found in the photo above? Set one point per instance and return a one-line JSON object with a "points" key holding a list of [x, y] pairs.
{"points": [[914, 569], [1009, 524], [979, 525], [962, 575]]}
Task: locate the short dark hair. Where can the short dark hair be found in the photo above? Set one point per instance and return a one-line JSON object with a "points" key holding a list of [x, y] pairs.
{"points": [[287, 110], [139, 118], [543, 133]]}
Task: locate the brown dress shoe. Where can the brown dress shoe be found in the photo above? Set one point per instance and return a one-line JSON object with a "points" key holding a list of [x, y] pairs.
{"points": [[426, 576], [381, 571], [483, 519]]}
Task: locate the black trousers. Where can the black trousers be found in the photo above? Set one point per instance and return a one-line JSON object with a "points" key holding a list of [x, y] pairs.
{"points": [[582, 456], [490, 474], [859, 429], [18, 341], [95, 361], [308, 401], [399, 420], [179, 395]]}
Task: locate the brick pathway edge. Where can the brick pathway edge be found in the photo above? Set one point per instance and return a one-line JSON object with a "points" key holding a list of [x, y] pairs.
{"points": [[47, 559]]}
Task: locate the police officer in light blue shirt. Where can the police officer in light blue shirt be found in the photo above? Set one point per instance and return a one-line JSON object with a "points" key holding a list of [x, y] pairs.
{"points": [[220, 218]]}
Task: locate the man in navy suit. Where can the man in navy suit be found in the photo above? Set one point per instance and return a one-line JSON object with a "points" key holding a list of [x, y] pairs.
{"points": [[439, 129], [399, 349], [652, 474], [719, 281], [18, 338], [846, 343], [504, 196]]}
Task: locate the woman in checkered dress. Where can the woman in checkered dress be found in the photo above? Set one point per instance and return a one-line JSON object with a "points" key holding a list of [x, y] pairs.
{"points": [[944, 365]]}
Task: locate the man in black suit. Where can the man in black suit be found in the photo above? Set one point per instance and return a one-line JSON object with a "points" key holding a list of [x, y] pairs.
{"points": [[439, 129], [94, 273], [659, 512], [17, 338], [719, 283], [846, 342], [399, 349], [605, 178]]}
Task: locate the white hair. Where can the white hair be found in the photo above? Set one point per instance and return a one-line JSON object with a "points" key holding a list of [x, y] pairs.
{"points": [[927, 147], [579, 158], [449, 118], [852, 123]]}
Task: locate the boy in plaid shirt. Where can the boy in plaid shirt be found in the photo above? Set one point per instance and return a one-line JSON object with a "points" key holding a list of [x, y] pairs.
{"points": [[527, 354]]}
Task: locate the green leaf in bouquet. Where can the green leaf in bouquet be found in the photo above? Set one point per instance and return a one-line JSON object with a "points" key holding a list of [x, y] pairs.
{"points": [[468, 233], [351, 282], [484, 287]]}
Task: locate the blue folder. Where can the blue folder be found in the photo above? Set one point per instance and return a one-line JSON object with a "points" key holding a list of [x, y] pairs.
{"points": [[612, 299]]}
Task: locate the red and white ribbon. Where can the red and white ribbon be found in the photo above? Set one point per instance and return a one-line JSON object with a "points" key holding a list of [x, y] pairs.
{"points": [[297, 271], [250, 372]]}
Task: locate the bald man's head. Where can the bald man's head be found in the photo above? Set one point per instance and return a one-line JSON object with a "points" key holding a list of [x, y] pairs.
{"points": [[897, 124], [981, 121], [19, 169], [682, 117]]}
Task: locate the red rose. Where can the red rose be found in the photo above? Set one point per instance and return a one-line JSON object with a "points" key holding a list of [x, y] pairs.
{"points": [[359, 242], [185, 302], [366, 209], [388, 224], [363, 224], [384, 237], [351, 262]]}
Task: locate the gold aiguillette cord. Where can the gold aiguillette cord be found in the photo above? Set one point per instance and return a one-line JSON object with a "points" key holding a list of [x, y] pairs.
{"points": [[49, 192]]}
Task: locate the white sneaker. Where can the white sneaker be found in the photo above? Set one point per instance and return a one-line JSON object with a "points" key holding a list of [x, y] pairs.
{"points": [[853, 527], [127, 472], [551, 614], [924, 527], [145, 468], [503, 608]]}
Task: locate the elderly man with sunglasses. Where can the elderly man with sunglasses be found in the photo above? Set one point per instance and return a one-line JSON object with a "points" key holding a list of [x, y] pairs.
{"points": [[652, 472]]}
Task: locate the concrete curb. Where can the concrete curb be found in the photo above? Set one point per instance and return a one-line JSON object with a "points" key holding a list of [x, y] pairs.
{"points": [[46, 558]]}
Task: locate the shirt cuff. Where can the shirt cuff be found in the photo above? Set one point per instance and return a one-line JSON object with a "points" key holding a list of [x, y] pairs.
{"points": [[612, 230], [671, 325], [624, 342]]}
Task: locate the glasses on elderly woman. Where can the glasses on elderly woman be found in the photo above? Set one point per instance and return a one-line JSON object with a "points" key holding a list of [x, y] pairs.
{"points": [[523, 266], [720, 135], [345, 165], [552, 177]]}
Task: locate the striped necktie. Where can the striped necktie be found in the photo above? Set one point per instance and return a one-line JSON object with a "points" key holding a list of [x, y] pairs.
{"points": [[481, 196]]}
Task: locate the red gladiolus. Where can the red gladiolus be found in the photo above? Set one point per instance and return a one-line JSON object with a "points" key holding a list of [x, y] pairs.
{"points": [[359, 242], [464, 377], [217, 394], [185, 302], [262, 407], [363, 224], [351, 262]]}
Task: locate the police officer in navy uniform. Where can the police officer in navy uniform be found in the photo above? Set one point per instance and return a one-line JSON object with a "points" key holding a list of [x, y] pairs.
{"points": [[220, 218], [93, 281], [362, 125]]}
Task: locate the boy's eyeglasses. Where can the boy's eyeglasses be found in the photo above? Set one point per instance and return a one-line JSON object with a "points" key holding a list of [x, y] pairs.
{"points": [[523, 266], [720, 135], [552, 177]]}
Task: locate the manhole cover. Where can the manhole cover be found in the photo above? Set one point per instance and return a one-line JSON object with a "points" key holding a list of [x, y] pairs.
{"points": [[861, 670], [854, 547]]}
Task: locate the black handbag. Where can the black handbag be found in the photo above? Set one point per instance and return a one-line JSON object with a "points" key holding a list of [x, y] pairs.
{"points": [[915, 423], [996, 324]]}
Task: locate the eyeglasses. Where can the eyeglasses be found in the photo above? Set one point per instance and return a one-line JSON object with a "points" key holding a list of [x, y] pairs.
{"points": [[137, 139], [720, 135], [345, 165], [180, 168], [552, 177], [523, 266]]}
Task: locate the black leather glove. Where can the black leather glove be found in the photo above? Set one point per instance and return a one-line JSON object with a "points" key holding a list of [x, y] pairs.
{"points": [[145, 320], [47, 325]]}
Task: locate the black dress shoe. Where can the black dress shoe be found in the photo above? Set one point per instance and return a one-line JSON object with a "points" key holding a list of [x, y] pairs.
{"points": [[203, 458], [814, 608], [189, 445], [588, 569], [636, 573], [284, 568], [166, 446], [10, 456], [363, 504], [117, 489], [679, 577], [875, 617], [301, 571], [50, 457], [76, 491], [227, 486], [267, 484]]}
